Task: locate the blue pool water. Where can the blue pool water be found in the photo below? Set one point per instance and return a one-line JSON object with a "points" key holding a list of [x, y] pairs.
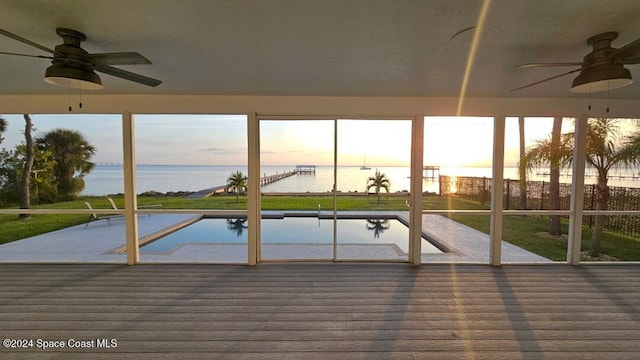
{"points": [[290, 230]]}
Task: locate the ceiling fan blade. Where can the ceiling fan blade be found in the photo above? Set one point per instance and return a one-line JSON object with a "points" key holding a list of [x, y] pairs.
{"points": [[119, 58], [545, 80], [26, 41], [531, 65], [630, 53], [27, 55], [127, 75]]}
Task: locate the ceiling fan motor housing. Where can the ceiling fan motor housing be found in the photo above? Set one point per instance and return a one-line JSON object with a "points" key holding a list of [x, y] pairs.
{"points": [[73, 67], [70, 65], [601, 69]]}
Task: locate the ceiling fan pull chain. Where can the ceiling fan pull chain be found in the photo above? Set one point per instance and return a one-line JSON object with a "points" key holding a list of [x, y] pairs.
{"points": [[589, 97], [80, 89], [608, 89], [69, 94]]}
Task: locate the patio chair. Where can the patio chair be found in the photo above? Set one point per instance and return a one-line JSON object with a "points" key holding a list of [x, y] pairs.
{"points": [[113, 204], [115, 207], [95, 216]]}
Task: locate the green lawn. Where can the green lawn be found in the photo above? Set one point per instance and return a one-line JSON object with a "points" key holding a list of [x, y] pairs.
{"points": [[525, 231]]}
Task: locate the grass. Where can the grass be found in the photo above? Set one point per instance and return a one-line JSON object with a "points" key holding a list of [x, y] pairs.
{"points": [[527, 232], [281, 202], [530, 233], [14, 229]]}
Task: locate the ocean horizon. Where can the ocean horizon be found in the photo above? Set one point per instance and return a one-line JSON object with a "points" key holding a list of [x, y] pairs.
{"points": [[106, 179]]}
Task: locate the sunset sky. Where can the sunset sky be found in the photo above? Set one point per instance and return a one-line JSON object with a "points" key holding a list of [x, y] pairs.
{"points": [[222, 139]]}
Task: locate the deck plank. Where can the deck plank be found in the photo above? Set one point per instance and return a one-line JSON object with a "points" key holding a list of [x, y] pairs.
{"points": [[319, 311]]}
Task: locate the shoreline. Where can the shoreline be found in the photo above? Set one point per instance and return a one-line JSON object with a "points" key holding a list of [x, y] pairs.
{"points": [[167, 178]]}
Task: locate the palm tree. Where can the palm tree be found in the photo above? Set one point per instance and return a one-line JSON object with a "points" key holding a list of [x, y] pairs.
{"points": [[378, 181], [606, 149], [555, 151], [71, 152], [554, 176], [3, 128], [522, 169], [632, 148], [238, 182]]}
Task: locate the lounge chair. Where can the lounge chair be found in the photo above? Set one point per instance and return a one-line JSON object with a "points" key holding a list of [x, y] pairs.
{"points": [[113, 204], [95, 216], [115, 207]]}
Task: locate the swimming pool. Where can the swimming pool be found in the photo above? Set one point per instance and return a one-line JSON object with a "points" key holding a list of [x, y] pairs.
{"points": [[290, 230]]}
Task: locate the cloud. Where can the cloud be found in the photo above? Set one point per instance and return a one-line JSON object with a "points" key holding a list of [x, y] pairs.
{"points": [[224, 151], [213, 150]]}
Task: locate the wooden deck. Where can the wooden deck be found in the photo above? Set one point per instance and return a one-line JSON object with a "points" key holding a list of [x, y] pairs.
{"points": [[324, 311]]}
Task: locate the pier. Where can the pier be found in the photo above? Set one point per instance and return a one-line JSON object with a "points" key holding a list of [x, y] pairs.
{"points": [[305, 169], [208, 192], [265, 180], [268, 179], [433, 169]]}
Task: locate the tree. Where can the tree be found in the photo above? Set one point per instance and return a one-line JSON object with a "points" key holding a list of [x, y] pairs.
{"points": [[522, 169], [632, 148], [378, 181], [238, 182], [3, 128], [71, 153], [41, 187], [606, 149], [554, 176], [25, 183], [556, 152], [8, 178]]}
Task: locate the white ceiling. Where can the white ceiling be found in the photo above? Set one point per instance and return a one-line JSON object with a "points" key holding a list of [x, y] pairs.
{"points": [[321, 47]]}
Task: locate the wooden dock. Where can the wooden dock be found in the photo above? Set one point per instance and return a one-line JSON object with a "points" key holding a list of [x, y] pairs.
{"points": [[305, 169], [207, 192], [268, 179], [265, 180], [433, 169]]}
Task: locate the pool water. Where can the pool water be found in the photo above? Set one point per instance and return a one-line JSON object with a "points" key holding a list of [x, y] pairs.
{"points": [[290, 230]]}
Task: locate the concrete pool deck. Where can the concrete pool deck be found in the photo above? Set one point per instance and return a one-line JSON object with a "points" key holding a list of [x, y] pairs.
{"points": [[98, 242]]}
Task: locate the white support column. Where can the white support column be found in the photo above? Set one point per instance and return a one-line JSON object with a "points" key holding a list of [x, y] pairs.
{"points": [[334, 190], [130, 200], [577, 190], [415, 190], [253, 193], [497, 187]]}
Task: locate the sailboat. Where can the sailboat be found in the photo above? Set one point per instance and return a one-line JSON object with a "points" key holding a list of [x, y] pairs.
{"points": [[364, 165]]}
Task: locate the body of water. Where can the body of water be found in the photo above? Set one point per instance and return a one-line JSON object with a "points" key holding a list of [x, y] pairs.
{"points": [[108, 179]]}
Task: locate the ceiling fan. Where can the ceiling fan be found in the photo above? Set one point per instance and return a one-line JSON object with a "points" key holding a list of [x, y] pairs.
{"points": [[72, 66], [602, 69]]}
